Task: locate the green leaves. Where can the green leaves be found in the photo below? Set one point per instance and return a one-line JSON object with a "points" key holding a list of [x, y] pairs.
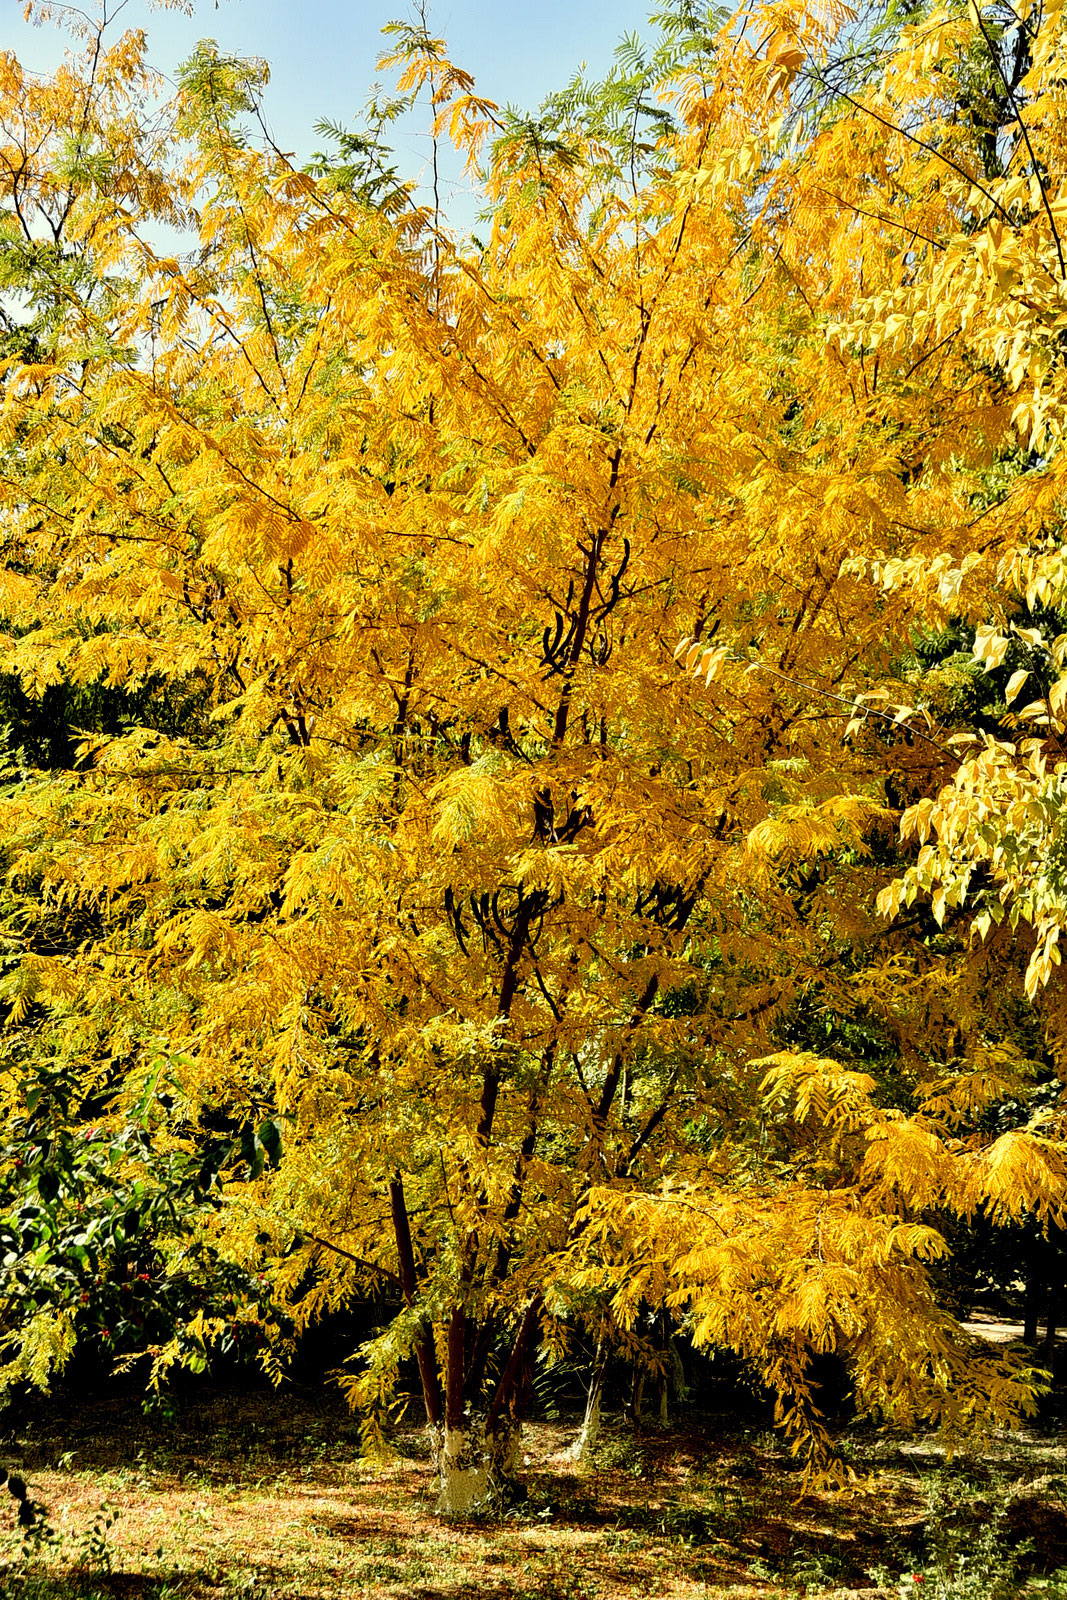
{"points": [[105, 1232], [261, 1148], [215, 90]]}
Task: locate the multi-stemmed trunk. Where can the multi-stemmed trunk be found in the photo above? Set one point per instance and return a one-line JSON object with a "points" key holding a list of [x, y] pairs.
{"points": [[475, 1426], [474, 1438]]}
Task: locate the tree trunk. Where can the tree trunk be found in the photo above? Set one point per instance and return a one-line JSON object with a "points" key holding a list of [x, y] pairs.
{"points": [[1051, 1319], [678, 1378], [477, 1451], [637, 1391], [589, 1433], [1031, 1292], [663, 1372], [1054, 1288], [661, 1390], [475, 1469]]}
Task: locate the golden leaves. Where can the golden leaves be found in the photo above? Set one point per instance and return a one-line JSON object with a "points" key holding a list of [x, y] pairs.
{"points": [[702, 660], [775, 1273], [1020, 1174], [449, 859], [822, 1089]]}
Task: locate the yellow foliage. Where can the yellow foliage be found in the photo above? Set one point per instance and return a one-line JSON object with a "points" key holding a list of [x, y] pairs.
{"points": [[422, 832]]}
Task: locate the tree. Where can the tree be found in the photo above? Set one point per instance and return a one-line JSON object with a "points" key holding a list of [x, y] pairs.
{"points": [[456, 874], [979, 291], [943, 252]]}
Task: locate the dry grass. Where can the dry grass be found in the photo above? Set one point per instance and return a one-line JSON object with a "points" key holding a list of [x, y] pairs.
{"points": [[254, 1497]]}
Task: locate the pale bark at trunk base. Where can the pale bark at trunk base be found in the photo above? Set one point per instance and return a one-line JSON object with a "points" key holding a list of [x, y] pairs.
{"points": [[475, 1471], [589, 1433]]}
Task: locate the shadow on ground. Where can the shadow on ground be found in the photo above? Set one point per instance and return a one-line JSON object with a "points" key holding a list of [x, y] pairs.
{"points": [[246, 1496]]}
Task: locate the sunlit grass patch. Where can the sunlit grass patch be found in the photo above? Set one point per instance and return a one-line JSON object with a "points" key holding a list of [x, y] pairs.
{"points": [[247, 1497]]}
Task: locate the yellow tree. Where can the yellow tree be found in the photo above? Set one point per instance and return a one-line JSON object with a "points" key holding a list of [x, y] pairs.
{"points": [[928, 242], [451, 867]]}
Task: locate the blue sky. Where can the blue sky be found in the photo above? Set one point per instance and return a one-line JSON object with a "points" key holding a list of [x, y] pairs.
{"points": [[322, 53]]}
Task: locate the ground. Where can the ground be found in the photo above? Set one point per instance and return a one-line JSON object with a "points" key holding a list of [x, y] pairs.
{"points": [[266, 1496]]}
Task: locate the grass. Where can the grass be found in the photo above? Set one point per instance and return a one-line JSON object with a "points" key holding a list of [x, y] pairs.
{"points": [[266, 1497]]}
